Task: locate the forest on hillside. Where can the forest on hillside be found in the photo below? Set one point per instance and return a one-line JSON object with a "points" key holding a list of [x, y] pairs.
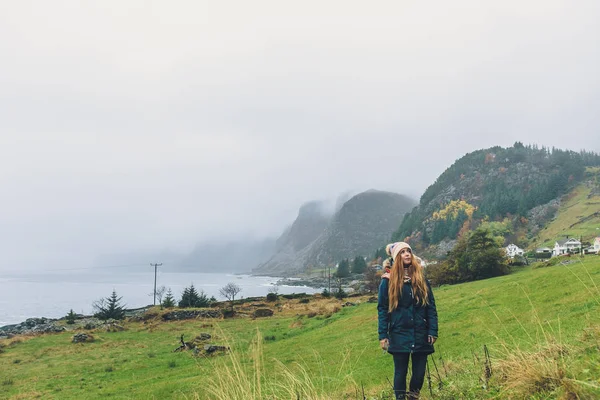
{"points": [[491, 184]]}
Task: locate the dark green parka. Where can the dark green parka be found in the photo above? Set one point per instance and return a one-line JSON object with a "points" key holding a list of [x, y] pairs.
{"points": [[408, 326]]}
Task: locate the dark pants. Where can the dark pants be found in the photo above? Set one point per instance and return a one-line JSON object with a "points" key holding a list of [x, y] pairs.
{"points": [[419, 363]]}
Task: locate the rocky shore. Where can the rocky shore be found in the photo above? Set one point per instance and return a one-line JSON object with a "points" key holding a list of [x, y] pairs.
{"points": [[349, 284], [53, 325]]}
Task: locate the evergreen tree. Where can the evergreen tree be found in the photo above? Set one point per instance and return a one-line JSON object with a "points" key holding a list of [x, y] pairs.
{"points": [[359, 265], [191, 298], [380, 253], [439, 231], [109, 307], [70, 317], [343, 269], [169, 300]]}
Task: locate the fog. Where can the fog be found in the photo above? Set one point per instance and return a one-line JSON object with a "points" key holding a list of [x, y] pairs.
{"points": [[140, 126]]}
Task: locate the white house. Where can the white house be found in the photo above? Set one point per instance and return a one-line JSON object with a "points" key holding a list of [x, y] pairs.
{"points": [[569, 245], [595, 247], [513, 250], [543, 250]]}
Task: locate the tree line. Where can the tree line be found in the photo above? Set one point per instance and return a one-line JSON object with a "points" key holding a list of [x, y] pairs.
{"points": [[112, 307]]}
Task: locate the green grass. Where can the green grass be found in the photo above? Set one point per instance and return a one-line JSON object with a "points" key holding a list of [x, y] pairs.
{"points": [[337, 355], [578, 216]]}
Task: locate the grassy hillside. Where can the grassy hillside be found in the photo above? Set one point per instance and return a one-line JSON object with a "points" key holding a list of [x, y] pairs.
{"points": [[540, 325], [578, 216]]}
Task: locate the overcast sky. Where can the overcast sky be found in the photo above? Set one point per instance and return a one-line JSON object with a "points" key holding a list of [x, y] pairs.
{"points": [[146, 125]]}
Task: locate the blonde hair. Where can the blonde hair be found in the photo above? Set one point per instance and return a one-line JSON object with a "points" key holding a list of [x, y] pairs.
{"points": [[419, 286]]}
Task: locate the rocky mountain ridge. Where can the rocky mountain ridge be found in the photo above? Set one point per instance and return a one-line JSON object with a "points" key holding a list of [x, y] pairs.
{"points": [[362, 224]]}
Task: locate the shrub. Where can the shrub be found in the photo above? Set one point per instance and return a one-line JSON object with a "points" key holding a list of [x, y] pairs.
{"points": [[304, 301], [340, 294], [271, 296], [325, 293]]}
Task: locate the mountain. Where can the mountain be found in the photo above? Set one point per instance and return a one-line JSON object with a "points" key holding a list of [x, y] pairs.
{"points": [[227, 256], [509, 186], [310, 223], [362, 224]]}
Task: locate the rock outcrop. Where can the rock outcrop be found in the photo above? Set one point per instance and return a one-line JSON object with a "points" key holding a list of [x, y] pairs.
{"points": [[262, 312], [191, 314], [32, 325]]}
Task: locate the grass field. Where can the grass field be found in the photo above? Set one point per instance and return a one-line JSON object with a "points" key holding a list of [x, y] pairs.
{"points": [[540, 325], [578, 216]]}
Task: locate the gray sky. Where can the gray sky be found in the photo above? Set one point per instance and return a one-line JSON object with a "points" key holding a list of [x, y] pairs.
{"points": [[141, 125]]}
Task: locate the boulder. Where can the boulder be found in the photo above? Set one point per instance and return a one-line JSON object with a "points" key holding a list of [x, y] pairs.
{"points": [[89, 325], [114, 327], [203, 336], [211, 348], [82, 338], [228, 313], [262, 312]]}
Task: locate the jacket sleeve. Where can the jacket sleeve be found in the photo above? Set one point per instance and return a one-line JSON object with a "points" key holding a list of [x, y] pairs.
{"points": [[432, 317], [382, 310]]}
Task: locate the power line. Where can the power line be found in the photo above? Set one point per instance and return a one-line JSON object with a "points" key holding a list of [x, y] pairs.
{"points": [[156, 265]]}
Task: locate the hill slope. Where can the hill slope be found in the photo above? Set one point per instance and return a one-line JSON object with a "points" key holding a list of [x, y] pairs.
{"points": [[578, 214], [519, 314]]}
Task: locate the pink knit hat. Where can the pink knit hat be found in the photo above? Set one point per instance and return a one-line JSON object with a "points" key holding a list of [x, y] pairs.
{"points": [[393, 249]]}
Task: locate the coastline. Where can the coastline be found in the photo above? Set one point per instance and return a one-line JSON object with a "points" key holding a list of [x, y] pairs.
{"points": [[53, 295]]}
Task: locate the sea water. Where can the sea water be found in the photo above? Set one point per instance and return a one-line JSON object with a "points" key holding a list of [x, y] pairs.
{"points": [[53, 294]]}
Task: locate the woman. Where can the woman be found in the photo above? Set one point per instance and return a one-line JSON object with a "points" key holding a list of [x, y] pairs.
{"points": [[408, 325]]}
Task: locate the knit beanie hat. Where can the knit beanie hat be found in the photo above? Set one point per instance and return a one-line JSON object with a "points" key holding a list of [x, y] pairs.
{"points": [[393, 249]]}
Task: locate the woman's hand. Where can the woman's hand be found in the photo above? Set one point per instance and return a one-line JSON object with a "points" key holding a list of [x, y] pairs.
{"points": [[384, 343], [431, 339]]}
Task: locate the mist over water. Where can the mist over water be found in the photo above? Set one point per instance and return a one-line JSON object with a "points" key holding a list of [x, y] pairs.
{"points": [[52, 295]]}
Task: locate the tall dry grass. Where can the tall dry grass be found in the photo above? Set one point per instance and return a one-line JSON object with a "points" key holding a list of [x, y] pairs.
{"points": [[236, 380]]}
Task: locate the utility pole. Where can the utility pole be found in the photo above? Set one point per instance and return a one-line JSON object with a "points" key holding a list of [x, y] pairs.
{"points": [[155, 265], [329, 279]]}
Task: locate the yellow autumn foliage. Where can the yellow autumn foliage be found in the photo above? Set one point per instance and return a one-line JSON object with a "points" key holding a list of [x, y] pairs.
{"points": [[451, 210]]}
